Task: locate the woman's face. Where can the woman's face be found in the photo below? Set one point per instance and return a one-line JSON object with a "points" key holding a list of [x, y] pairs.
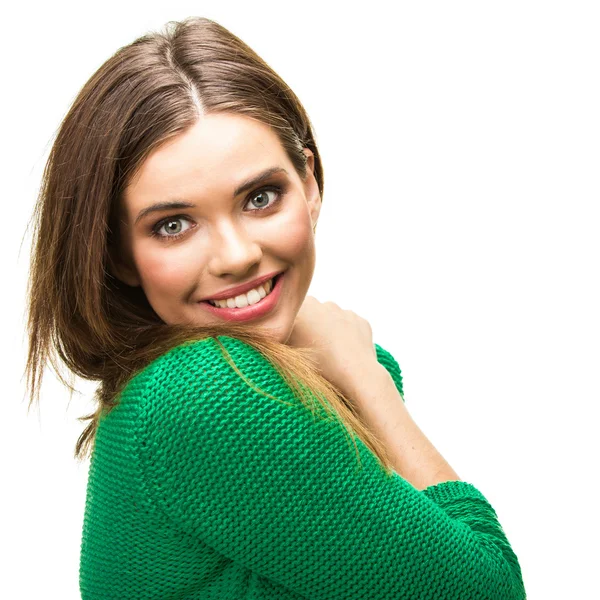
{"points": [[215, 236]]}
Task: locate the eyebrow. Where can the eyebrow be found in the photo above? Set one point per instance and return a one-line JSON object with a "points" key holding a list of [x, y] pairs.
{"points": [[244, 186]]}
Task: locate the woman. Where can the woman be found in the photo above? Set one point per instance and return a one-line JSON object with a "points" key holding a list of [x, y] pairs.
{"points": [[174, 250]]}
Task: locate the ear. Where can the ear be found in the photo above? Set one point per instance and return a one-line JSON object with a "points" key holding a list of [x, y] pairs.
{"points": [[121, 268], [311, 187]]}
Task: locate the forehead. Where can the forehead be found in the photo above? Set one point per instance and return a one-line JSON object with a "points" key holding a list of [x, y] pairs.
{"points": [[212, 156]]}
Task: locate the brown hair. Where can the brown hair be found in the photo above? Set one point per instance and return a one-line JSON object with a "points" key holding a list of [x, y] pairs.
{"points": [[148, 92]]}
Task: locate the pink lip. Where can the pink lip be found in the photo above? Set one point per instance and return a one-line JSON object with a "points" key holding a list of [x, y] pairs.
{"points": [[254, 311], [241, 289]]}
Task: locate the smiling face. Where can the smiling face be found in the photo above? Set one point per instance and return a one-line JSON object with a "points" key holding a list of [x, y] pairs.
{"points": [[219, 236]]}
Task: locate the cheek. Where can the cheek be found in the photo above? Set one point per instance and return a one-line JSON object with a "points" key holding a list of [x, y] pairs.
{"points": [[164, 270], [298, 239]]}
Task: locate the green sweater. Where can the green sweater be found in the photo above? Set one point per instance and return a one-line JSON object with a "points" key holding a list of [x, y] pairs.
{"points": [[202, 488]]}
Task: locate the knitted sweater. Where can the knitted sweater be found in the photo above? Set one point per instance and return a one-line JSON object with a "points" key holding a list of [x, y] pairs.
{"points": [[200, 487]]}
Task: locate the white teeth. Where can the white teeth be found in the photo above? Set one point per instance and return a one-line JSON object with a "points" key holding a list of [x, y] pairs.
{"points": [[253, 297], [243, 300]]}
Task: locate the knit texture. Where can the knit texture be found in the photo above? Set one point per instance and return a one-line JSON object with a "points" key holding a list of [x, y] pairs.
{"points": [[200, 487]]}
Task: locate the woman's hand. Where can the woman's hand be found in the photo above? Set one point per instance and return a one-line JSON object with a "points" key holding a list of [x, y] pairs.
{"points": [[341, 341]]}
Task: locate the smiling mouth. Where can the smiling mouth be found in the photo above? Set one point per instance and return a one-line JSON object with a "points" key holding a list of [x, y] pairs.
{"points": [[267, 286], [260, 309]]}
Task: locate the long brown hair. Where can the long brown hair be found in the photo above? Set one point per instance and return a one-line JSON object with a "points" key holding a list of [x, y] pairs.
{"points": [[80, 314]]}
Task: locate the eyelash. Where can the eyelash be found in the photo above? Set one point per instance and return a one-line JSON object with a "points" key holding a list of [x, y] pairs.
{"points": [[280, 192]]}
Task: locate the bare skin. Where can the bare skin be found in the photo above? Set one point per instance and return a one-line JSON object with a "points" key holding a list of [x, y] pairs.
{"points": [[342, 343]]}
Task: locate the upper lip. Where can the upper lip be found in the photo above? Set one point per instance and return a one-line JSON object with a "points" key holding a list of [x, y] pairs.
{"points": [[240, 289]]}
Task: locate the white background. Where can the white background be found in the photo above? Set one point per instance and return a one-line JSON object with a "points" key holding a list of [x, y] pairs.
{"points": [[461, 147]]}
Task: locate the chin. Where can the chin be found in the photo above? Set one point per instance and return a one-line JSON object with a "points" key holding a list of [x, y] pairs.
{"points": [[278, 332]]}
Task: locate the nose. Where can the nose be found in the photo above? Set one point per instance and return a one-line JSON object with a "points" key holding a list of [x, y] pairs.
{"points": [[233, 251]]}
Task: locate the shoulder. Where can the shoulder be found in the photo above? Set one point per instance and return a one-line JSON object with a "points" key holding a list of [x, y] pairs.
{"points": [[209, 395], [207, 351], [218, 357], [221, 366], [222, 363]]}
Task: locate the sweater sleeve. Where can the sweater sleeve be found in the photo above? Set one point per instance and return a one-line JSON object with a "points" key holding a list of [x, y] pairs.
{"points": [[449, 495], [263, 481]]}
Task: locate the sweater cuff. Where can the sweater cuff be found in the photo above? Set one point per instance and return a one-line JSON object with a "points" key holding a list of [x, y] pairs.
{"points": [[449, 491]]}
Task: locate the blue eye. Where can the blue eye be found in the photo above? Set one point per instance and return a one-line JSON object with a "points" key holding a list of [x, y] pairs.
{"points": [[264, 193], [168, 224]]}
